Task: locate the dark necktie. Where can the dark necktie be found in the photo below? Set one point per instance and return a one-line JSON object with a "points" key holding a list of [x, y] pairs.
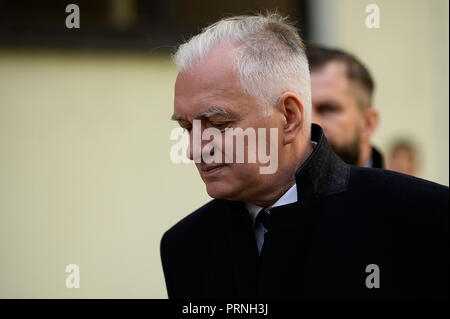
{"points": [[262, 227]]}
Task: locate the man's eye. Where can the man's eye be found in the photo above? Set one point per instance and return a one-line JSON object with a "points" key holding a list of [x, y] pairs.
{"points": [[326, 109], [220, 126]]}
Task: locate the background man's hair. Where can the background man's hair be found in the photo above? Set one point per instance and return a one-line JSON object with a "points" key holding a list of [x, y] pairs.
{"points": [[269, 55], [357, 73], [405, 144]]}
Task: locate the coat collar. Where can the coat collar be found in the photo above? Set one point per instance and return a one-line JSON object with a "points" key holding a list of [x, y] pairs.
{"points": [[377, 158], [323, 173]]}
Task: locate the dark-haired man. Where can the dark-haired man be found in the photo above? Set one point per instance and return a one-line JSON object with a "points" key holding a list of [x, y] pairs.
{"points": [[342, 88]]}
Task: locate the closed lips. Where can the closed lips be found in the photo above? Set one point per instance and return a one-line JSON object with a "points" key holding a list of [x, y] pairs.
{"points": [[211, 167]]}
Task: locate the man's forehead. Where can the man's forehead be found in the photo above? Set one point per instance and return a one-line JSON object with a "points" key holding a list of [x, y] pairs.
{"points": [[331, 70], [220, 54], [332, 75], [203, 83], [206, 85], [213, 77], [202, 99]]}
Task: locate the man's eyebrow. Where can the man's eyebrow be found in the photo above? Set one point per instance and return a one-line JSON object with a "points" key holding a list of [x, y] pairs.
{"points": [[176, 118], [206, 114], [213, 111]]}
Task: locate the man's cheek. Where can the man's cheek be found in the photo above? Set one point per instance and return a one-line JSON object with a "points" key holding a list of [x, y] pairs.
{"points": [[338, 129], [330, 131], [334, 137]]}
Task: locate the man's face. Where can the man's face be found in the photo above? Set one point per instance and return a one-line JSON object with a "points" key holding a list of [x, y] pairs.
{"points": [[336, 110], [212, 83], [402, 160]]}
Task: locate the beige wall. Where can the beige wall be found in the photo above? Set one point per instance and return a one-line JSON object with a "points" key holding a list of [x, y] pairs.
{"points": [[408, 57], [85, 175]]}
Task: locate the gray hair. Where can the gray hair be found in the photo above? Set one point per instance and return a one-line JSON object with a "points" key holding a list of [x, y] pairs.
{"points": [[269, 57]]}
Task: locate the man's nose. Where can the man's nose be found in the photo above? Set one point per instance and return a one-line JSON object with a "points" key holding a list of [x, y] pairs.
{"points": [[194, 153], [190, 150]]}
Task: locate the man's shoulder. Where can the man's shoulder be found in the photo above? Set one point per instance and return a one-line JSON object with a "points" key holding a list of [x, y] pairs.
{"points": [[395, 188], [391, 181], [198, 223]]}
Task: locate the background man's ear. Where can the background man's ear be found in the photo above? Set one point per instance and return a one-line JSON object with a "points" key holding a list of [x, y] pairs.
{"points": [[293, 113], [370, 123]]}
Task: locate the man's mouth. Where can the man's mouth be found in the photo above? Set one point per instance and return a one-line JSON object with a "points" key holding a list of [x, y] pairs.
{"points": [[211, 169]]}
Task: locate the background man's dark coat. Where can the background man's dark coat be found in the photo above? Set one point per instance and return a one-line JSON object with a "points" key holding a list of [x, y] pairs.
{"points": [[346, 218], [377, 160]]}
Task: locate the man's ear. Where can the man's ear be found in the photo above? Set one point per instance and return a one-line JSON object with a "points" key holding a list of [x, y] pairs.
{"points": [[292, 110], [370, 123]]}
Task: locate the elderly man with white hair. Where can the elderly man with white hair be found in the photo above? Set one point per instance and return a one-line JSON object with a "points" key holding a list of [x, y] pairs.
{"points": [[313, 227]]}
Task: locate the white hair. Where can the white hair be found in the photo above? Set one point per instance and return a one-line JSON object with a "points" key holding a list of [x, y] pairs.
{"points": [[270, 57]]}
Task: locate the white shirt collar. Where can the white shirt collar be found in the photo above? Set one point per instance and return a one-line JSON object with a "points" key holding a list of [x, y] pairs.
{"points": [[369, 163], [288, 198]]}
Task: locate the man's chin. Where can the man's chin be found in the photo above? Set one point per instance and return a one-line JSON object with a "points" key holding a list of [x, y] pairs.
{"points": [[219, 190]]}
